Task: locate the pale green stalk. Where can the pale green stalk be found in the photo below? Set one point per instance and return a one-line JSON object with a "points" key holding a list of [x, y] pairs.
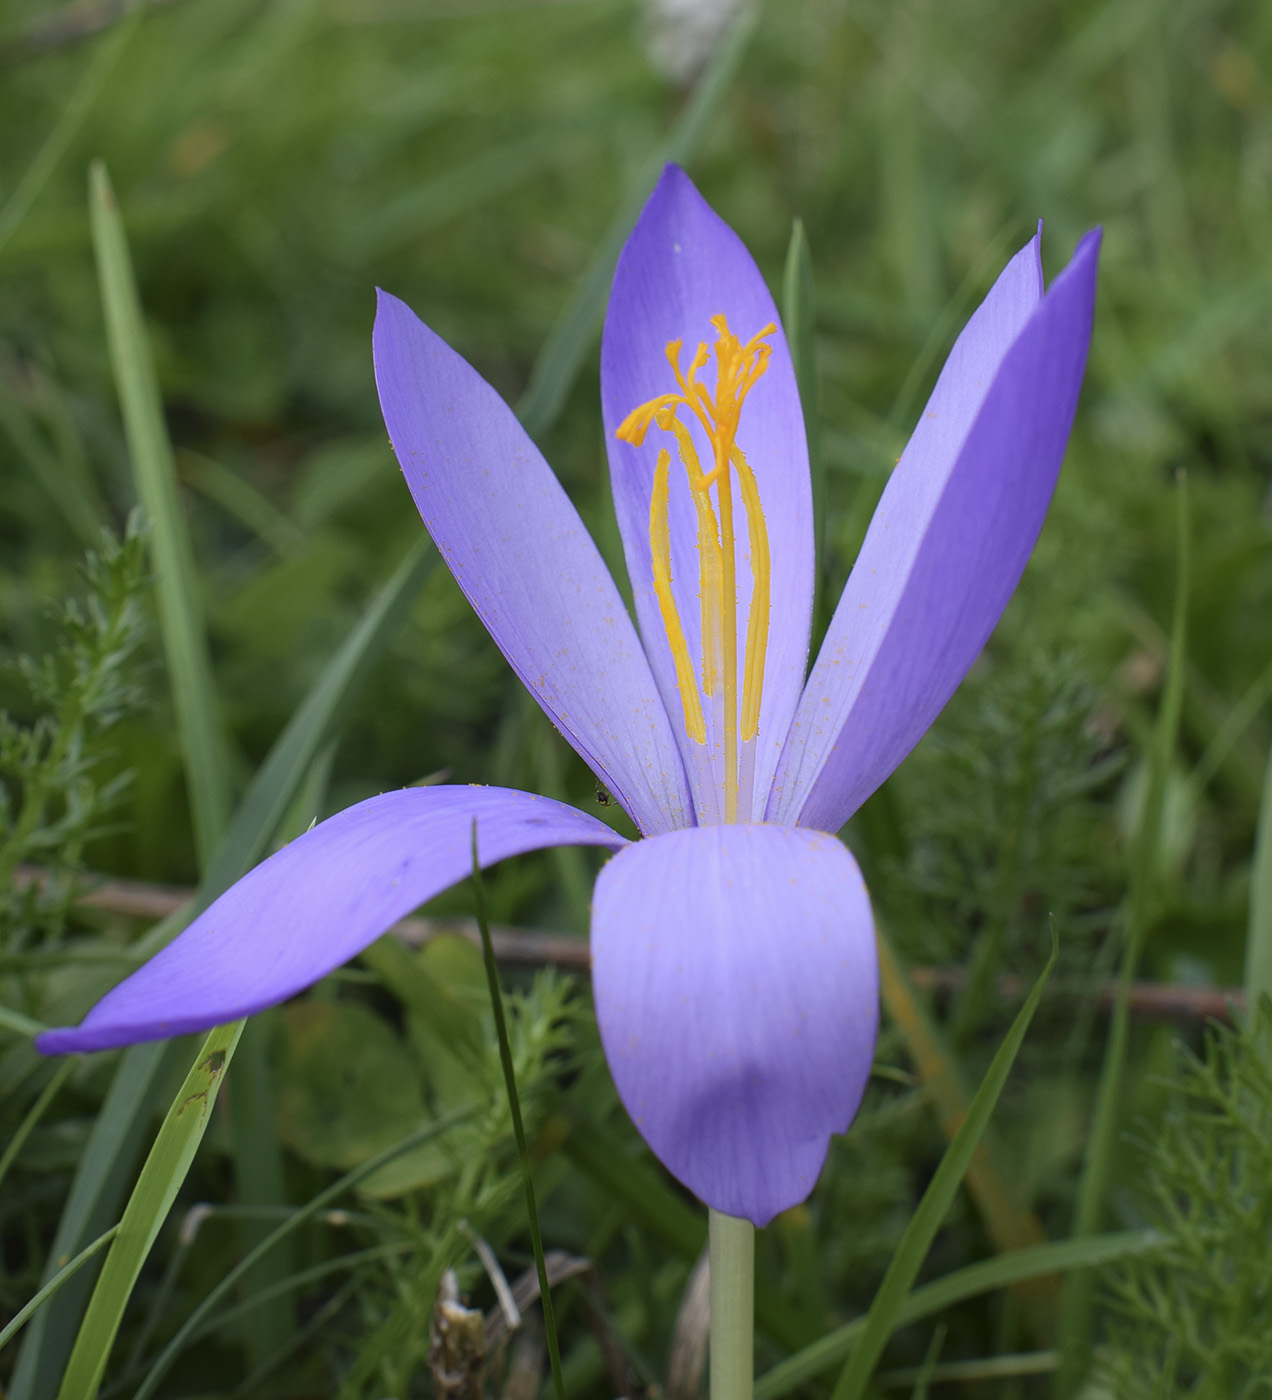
{"points": [[732, 1248]]}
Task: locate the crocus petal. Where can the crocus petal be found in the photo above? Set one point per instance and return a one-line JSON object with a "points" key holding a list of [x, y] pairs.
{"points": [[737, 994], [317, 903], [681, 266], [948, 542], [527, 565]]}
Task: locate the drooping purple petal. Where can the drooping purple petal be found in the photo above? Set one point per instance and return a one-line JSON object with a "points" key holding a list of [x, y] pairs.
{"points": [[527, 565], [736, 988], [948, 542], [682, 265], [317, 903]]}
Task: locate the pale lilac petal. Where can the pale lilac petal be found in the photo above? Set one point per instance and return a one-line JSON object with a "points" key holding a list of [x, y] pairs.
{"points": [[527, 565], [682, 265], [317, 903], [948, 542], [736, 989]]}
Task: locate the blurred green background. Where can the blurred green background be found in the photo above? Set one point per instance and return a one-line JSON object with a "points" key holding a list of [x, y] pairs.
{"points": [[276, 160]]}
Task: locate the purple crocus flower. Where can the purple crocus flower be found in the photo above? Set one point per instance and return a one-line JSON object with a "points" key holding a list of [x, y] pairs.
{"points": [[733, 954]]}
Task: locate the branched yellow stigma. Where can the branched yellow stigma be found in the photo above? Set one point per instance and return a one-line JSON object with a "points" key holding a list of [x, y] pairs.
{"points": [[738, 367]]}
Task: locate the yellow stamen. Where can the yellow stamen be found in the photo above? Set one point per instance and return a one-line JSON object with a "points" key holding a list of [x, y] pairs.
{"points": [[738, 368], [660, 545], [757, 624]]}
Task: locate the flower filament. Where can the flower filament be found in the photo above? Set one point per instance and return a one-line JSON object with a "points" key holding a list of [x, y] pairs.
{"points": [[738, 367]]}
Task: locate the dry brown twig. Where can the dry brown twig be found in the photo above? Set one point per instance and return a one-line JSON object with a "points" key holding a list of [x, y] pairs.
{"points": [[1150, 1001]]}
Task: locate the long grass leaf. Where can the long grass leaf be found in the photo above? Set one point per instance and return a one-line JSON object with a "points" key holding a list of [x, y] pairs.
{"points": [[154, 474], [1075, 1332], [195, 1321], [316, 720], [157, 1186], [105, 1169], [518, 1128], [885, 1310], [1009, 1225], [1258, 965], [799, 322], [33, 1116], [667, 1215], [63, 1275], [567, 343], [258, 1181], [68, 123], [101, 1180], [970, 1282]]}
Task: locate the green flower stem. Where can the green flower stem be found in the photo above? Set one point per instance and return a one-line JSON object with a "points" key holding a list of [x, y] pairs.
{"points": [[732, 1247]]}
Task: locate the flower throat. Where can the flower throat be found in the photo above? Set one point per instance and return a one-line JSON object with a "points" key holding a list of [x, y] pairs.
{"points": [[738, 367]]}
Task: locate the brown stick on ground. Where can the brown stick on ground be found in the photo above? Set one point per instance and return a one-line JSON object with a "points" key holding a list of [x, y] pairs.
{"points": [[1150, 1001]]}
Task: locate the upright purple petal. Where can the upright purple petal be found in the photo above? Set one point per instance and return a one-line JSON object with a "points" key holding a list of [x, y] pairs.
{"points": [[527, 565], [948, 542], [681, 266], [737, 993], [317, 903]]}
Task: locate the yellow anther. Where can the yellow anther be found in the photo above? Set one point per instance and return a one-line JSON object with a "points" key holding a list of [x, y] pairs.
{"points": [[738, 367]]}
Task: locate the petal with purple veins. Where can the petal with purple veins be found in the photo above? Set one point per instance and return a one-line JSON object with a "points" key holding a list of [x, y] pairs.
{"points": [[527, 564], [681, 266], [736, 987], [947, 544], [317, 903]]}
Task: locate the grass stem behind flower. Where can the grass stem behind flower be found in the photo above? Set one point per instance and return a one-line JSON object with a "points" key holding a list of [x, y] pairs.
{"points": [[519, 1132]]}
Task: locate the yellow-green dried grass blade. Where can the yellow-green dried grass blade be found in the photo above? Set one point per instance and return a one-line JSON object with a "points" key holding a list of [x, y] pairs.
{"points": [[1010, 1224], [885, 1310], [567, 344], [152, 1197], [180, 614]]}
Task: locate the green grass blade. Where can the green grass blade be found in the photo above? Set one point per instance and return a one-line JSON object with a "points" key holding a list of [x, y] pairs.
{"points": [[668, 1216], [567, 344], [156, 1189], [180, 615], [799, 322], [101, 1180], [63, 1275], [105, 1169], [12, 1020], [1075, 1330], [518, 1128], [69, 121], [271, 791], [195, 1321], [1258, 966], [33, 1116], [258, 1181], [933, 1298], [885, 1311]]}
